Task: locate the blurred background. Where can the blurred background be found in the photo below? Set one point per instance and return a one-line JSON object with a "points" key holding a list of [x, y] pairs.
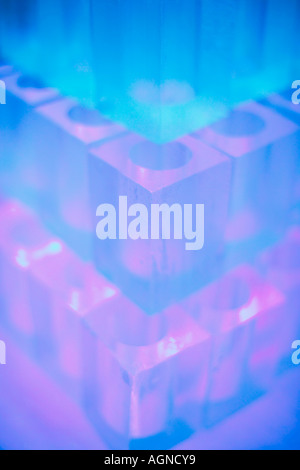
{"points": [[140, 344]]}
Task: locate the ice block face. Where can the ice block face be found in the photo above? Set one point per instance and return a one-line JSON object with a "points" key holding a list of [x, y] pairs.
{"points": [[280, 264], [27, 39], [245, 39], [18, 34], [70, 48], [161, 95], [148, 84], [47, 291], [63, 167], [265, 34], [66, 290], [182, 172], [52, 178], [233, 51], [19, 177], [21, 240], [246, 319], [163, 92], [137, 381], [262, 146], [131, 63], [283, 103]]}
